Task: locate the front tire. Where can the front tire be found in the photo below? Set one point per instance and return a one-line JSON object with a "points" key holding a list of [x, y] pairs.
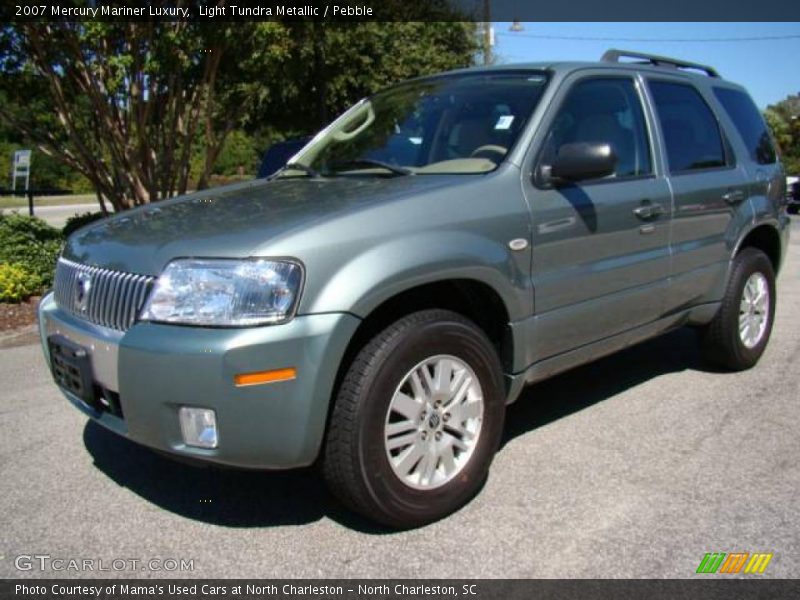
{"points": [[417, 420], [739, 333]]}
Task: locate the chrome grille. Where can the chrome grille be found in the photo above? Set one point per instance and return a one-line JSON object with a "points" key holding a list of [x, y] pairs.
{"points": [[109, 298]]}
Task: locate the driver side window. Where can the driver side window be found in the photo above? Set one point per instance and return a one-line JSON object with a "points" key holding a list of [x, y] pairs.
{"points": [[603, 110]]}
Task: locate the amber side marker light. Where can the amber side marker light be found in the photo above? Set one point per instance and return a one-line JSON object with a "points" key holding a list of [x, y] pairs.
{"points": [[258, 377]]}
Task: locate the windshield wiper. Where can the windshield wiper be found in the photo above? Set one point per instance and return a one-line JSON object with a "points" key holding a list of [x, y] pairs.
{"points": [[368, 162], [299, 167]]}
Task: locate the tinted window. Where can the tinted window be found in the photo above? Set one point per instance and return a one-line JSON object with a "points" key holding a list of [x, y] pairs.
{"points": [[608, 111], [460, 123], [749, 123], [691, 132]]}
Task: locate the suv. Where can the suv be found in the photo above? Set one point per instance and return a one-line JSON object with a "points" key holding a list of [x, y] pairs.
{"points": [[375, 305]]}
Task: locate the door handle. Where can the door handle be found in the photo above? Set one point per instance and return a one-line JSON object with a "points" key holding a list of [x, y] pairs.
{"points": [[648, 211], [733, 196]]}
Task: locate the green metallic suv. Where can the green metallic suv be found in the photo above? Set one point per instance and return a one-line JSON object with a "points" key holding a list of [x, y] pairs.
{"points": [[375, 305]]}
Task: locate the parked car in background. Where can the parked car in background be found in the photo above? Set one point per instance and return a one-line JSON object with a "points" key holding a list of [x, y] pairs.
{"points": [[793, 195], [374, 305], [279, 154]]}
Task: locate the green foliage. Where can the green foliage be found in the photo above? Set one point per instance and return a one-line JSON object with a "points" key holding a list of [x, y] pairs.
{"points": [[48, 173], [784, 120], [32, 243], [17, 283], [75, 222], [6, 156], [238, 151], [326, 67], [121, 102], [137, 108]]}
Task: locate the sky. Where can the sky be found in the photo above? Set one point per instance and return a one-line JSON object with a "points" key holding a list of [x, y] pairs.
{"points": [[769, 69]]}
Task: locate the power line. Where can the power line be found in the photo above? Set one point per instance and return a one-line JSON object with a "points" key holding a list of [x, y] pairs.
{"points": [[656, 40]]}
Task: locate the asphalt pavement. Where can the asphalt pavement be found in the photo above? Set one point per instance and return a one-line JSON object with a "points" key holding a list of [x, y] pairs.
{"points": [[634, 466], [56, 215]]}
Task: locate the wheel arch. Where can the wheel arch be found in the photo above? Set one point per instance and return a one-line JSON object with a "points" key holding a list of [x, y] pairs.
{"points": [[765, 237], [474, 299]]}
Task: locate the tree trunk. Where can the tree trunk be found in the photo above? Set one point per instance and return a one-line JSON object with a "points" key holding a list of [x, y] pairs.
{"points": [[128, 129]]}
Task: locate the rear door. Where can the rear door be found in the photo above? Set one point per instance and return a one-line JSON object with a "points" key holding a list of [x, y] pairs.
{"points": [[756, 149], [707, 187], [600, 247]]}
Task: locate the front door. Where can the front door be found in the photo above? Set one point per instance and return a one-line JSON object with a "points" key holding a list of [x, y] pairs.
{"points": [[601, 255]]}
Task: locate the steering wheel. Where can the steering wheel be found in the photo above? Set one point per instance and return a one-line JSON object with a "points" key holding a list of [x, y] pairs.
{"points": [[490, 152]]}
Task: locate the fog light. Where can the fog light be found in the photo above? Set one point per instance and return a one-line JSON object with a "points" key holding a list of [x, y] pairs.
{"points": [[198, 427]]}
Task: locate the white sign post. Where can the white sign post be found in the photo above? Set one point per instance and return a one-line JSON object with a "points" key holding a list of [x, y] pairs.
{"points": [[22, 168]]}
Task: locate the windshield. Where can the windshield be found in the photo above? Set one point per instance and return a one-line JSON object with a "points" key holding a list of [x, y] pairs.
{"points": [[464, 123]]}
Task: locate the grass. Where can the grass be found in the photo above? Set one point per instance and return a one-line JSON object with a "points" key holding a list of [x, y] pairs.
{"points": [[22, 202]]}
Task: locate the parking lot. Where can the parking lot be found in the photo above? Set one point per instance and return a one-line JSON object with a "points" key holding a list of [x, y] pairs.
{"points": [[57, 215], [634, 466]]}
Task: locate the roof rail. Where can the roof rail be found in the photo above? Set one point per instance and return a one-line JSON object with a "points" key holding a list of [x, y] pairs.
{"points": [[613, 55]]}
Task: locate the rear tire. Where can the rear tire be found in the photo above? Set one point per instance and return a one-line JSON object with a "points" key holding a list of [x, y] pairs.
{"points": [[417, 420], [738, 335]]}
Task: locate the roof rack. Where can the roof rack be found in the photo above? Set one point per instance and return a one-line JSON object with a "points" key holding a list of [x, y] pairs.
{"points": [[613, 55]]}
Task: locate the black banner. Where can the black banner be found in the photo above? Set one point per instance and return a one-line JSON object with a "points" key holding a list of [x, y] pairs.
{"points": [[401, 10], [700, 588]]}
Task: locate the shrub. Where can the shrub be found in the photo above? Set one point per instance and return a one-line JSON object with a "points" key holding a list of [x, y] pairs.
{"points": [[31, 243], [77, 221], [239, 150], [17, 283]]}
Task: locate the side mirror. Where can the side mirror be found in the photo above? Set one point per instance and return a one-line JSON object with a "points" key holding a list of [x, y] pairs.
{"points": [[580, 161]]}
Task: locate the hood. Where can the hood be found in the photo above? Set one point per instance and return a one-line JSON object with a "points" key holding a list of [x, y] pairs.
{"points": [[230, 222]]}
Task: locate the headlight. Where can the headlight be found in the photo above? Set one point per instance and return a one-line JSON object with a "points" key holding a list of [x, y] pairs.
{"points": [[220, 292]]}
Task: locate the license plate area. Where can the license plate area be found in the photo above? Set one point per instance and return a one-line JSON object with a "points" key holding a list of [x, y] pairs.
{"points": [[72, 368]]}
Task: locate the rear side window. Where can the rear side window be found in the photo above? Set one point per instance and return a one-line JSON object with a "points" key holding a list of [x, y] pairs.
{"points": [[749, 123], [691, 133]]}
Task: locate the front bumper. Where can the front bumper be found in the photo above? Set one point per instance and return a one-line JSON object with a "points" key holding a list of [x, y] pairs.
{"points": [[158, 368]]}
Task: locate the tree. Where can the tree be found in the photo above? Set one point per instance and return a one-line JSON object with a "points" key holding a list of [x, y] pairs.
{"points": [[330, 66], [128, 104], [784, 120], [123, 102], [46, 171]]}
